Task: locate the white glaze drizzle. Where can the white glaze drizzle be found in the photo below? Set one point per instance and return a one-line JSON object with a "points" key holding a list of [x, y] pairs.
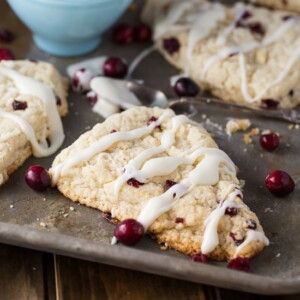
{"points": [[252, 235], [94, 64], [104, 143], [29, 86], [133, 166]]}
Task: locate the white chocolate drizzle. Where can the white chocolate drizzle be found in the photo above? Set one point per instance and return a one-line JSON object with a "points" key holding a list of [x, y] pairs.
{"points": [[104, 143], [29, 86]]}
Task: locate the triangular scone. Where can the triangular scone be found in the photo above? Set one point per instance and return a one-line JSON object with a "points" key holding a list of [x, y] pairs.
{"points": [[167, 172], [32, 99], [235, 52]]}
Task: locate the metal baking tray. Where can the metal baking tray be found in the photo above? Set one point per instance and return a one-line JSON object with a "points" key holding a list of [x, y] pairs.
{"points": [[45, 221]]}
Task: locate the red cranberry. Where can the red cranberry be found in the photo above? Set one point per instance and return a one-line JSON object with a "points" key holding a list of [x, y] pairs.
{"points": [[237, 242], [231, 211], [269, 103], [37, 178], [19, 105], [251, 224], [106, 215], [142, 33], [133, 182], [81, 80], [280, 183], [179, 220], [123, 34], [199, 257], [6, 54], [92, 98], [129, 232], [169, 184], [6, 35], [269, 141], [240, 263], [171, 45], [186, 87], [256, 28], [58, 100], [115, 67]]}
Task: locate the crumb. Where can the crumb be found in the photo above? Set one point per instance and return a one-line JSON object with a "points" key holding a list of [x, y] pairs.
{"points": [[164, 247], [268, 209], [255, 131], [278, 255], [65, 215], [44, 199], [291, 126], [247, 139], [37, 219], [72, 208], [11, 206], [204, 116], [43, 224], [297, 126], [235, 125], [33, 268], [245, 150], [261, 155]]}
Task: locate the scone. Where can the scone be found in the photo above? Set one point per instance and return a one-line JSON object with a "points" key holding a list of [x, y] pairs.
{"points": [[290, 5], [168, 173], [240, 53], [32, 98]]}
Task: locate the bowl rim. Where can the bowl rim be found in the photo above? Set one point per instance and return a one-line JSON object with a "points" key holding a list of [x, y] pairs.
{"points": [[74, 2]]}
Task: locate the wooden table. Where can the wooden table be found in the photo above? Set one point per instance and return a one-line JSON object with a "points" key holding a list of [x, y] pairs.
{"points": [[28, 274]]}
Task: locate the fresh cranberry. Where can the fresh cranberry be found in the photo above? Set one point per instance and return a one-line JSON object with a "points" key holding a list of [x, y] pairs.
{"points": [[19, 105], [169, 183], [269, 141], [240, 263], [231, 211], [92, 98], [237, 242], [269, 103], [123, 34], [280, 183], [251, 224], [199, 257], [133, 182], [106, 215], [142, 33], [81, 80], [129, 232], [58, 100], [115, 67], [186, 87], [6, 54], [179, 220], [37, 178], [171, 45], [6, 35]]}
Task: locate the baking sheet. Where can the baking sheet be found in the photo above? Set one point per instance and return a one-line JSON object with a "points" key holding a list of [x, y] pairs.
{"points": [[46, 222]]}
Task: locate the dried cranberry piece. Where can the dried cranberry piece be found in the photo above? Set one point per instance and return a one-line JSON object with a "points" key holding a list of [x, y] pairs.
{"points": [[58, 100], [92, 98], [256, 28], [171, 45], [129, 232], [269, 103], [106, 215], [19, 105], [123, 34], [113, 131], [169, 184], [269, 141], [237, 242], [231, 211], [246, 15], [200, 257], [251, 224], [134, 183], [280, 183], [179, 220], [6, 54], [240, 263], [6, 35]]}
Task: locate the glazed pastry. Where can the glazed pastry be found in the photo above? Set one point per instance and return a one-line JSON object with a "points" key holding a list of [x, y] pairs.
{"points": [[167, 172], [242, 53], [32, 98]]}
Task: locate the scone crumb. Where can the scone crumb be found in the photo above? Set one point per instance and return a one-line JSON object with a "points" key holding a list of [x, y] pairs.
{"points": [[247, 139], [42, 224], [268, 209], [235, 125], [291, 126], [278, 255], [11, 206], [65, 215], [164, 247], [72, 208]]}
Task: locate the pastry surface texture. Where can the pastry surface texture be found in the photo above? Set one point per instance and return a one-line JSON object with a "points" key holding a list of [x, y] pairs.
{"points": [[240, 53], [22, 110], [290, 5], [168, 173]]}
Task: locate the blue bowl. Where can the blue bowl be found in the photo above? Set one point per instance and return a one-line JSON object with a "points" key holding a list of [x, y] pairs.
{"points": [[68, 27]]}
